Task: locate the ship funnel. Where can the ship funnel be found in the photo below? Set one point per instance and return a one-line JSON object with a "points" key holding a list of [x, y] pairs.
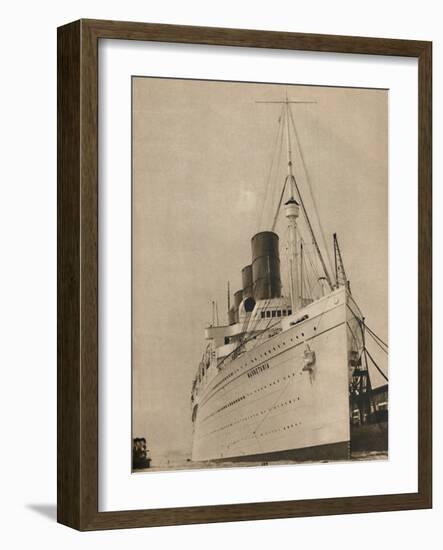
{"points": [[238, 297], [231, 316], [248, 290], [265, 266]]}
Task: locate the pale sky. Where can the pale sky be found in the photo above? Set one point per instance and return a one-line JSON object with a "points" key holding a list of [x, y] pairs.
{"points": [[202, 153]]}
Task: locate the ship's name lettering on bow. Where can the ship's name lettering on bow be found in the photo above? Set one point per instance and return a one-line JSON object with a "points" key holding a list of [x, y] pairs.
{"points": [[258, 370]]}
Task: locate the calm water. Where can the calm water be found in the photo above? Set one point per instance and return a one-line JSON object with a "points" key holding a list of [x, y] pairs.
{"points": [[189, 465]]}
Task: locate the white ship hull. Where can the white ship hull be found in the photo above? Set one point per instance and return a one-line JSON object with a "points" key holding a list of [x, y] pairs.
{"points": [[265, 404]]}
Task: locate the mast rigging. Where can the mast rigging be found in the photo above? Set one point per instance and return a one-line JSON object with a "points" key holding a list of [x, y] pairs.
{"points": [[293, 186]]}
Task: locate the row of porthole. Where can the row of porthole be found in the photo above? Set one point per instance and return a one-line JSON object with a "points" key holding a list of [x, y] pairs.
{"points": [[287, 377], [258, 390], [263, 434], [226, 406], [251, 416], [255, 359], [223, 380], [237, 422], [288, 427]]}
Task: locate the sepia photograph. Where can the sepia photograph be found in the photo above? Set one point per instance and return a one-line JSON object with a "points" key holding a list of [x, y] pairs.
{"points": [[259, 274]]}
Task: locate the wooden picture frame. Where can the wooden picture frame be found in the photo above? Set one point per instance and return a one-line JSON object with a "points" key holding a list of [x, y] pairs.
{"points": [[77, 480]]}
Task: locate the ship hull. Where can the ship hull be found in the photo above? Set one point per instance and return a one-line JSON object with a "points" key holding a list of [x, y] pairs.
{"points": [[331, 451], [268, 405]]}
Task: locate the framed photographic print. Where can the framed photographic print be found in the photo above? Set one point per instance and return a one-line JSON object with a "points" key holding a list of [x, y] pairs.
{"points": [[244, 275]]}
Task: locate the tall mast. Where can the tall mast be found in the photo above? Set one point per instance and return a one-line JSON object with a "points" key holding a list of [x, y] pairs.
{"points": [[292, 211], [341, 278], [290, 175], [301, 272], [308, 221]]}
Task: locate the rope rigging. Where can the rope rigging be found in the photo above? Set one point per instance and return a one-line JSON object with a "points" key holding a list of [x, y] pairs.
{"points": [[375, 364], [246, 340], [314, 270], [311, 192], [317, 248], [286, 117], [375, 336], [278, 147], [279, 205], [378, 344]]}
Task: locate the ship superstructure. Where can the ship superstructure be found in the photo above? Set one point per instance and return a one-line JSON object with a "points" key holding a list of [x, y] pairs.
{"points": [[287, 377]]}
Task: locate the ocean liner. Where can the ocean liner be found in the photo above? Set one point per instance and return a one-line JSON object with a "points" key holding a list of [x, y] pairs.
{"points": [[287, 377]]}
